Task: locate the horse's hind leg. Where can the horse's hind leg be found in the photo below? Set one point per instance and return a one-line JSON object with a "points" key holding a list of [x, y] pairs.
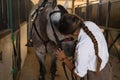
{"points": [[41, 59], [53, 67]]}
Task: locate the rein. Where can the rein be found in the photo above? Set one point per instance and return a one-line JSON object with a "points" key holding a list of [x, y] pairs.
{"points": [[54, 33]]}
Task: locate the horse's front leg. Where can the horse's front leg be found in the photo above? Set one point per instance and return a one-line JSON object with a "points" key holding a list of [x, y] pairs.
{"points": [[53, 67], [42, 70], [41, 59], [52, 50]]}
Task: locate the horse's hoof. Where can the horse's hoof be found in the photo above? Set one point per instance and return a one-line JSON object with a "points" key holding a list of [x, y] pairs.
{"points": [[29, 43]]}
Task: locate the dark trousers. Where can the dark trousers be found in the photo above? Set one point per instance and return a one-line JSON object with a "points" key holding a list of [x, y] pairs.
{"points": [[105, 74]]}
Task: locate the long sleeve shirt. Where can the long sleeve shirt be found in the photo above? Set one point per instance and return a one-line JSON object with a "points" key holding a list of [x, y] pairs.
{"points": [[86, 58]]}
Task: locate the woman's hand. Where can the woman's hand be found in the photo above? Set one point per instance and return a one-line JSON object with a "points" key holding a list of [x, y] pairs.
{"points": [[60, 55]]}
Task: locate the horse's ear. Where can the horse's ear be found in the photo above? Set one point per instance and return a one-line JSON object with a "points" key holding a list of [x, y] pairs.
{"points": [[54, 4], [62, 9], [44, 3]]}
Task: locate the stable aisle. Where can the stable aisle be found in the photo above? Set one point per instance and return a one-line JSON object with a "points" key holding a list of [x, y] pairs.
{"points": [[30, 70]]}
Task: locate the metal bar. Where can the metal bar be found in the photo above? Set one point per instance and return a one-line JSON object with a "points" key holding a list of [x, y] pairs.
{"points": [[73, 1], [118, 36], [19, 38], [8, 15], [26, 16], [110, 29], [99, 12], [113, 44], [1, 10], [86, 3], [108, 18], [100, 1], [87, 9]]}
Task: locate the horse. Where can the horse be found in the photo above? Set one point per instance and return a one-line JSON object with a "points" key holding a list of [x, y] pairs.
{"points": [[42, 33]]}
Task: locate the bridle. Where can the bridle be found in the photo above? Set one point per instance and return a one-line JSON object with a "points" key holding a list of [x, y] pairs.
{"points": [[59, 44]]}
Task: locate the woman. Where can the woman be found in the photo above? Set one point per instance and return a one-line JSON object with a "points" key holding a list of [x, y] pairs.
{"points": [[91, 51]]}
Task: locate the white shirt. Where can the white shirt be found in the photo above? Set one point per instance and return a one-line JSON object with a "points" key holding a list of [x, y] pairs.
{"points": [[86, 58]]}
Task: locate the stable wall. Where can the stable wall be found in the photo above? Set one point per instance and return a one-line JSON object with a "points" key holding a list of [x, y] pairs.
{"points": [[6, 49], [23, 39], [6, 62]]}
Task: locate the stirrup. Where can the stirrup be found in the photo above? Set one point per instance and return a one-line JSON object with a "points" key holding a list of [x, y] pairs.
{"points": [[29, 43]]}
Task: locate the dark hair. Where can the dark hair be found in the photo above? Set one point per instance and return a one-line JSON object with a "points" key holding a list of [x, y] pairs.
{"points": [[66, 27], [66, 24]]}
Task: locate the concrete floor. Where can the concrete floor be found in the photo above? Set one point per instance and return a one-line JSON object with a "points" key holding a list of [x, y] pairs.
{"points": [[30, 70]]}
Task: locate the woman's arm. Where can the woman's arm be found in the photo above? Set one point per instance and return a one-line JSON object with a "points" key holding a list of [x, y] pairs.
{"points": [[62, 57]]}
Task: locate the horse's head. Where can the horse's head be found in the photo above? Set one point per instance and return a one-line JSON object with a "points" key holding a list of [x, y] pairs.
{"points": [[66, 44], [47, 21], [53, 19]]}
